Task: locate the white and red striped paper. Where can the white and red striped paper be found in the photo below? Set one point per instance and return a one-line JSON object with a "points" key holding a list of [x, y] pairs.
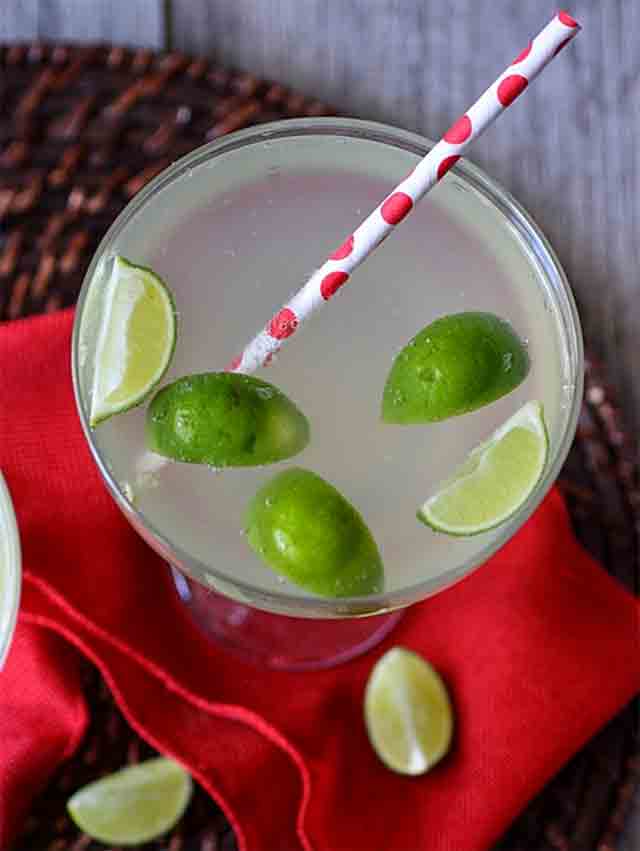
{"points": [[336, 271]]}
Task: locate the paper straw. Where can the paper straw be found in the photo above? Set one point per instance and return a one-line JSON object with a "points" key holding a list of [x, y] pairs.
{"points": [[336, 271]]}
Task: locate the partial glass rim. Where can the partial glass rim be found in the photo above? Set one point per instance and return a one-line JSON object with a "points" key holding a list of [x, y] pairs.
{"points": [[544, 255], [11, 567]]}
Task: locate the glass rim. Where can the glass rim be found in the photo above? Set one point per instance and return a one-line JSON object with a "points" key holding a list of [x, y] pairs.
{"points": [[546, 259], [10, 548]]}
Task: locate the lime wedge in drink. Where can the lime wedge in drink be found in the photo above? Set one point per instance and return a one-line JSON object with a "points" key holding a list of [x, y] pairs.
{"points": [[304, 529], [10, 570], [455, 365], [134, 805], [136, 338], [407, 712], [225, 419], [494, 480]]}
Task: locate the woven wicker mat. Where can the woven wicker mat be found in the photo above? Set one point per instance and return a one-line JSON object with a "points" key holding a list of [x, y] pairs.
{"points": [[81, 131]]}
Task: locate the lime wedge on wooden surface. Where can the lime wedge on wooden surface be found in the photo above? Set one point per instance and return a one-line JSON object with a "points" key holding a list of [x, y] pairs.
{"points": [[407, 712], [495, 479], [136, 338], [135, 805]]}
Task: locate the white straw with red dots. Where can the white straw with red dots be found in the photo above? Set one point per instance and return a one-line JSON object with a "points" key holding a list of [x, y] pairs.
{"points": [[324, 283]]}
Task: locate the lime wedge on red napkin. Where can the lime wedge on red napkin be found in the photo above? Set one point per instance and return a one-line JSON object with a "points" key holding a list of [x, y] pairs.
{"points": [[407, 712]]}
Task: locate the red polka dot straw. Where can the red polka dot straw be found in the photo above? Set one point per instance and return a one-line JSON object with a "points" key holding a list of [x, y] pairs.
{"points": [[337, 270]]}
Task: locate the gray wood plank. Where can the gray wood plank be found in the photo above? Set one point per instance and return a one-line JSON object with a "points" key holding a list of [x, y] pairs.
{"points": [[566, 150], [18, 20], [131, 22]]}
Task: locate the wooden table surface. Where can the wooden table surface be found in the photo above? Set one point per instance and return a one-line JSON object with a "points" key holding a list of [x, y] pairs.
{"points": [[568, 150]]}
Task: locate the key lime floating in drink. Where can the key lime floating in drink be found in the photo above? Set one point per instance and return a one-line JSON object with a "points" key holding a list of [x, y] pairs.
{"points": [[495, 479], [304, 529], [407, 712], [136, 338], [10, 570], [455, 365], [225, 420], [135, 805]]}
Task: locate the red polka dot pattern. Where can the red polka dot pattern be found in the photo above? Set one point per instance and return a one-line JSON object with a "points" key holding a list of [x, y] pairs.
{"points": [[331, 283], [459, 132], [344, 251], [396, 207], [522, 56], [511, 87], [235, 363], [324, 283], [283, 324], [567, 20], [446, 164], [268, 359]]}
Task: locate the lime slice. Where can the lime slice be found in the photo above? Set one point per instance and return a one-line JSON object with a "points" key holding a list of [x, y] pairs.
{"points": [[10, 570], [136, 339], [225, 419], [494, 480], [134, 805], [455, 365], [304, 529], [407, 712]]}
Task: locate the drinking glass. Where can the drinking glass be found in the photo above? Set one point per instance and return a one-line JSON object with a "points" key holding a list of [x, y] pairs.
{"points": [[276, 625]]}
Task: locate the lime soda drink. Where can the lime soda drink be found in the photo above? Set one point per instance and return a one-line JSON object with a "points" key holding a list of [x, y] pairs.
{"points": [[234, 232]]}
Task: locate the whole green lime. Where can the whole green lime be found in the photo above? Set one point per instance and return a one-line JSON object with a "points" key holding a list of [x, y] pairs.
{"points": [[225, 420], [455, 365], [304, 529]]}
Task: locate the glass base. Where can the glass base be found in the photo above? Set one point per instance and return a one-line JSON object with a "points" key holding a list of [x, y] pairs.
{"points": [[280, 641]]}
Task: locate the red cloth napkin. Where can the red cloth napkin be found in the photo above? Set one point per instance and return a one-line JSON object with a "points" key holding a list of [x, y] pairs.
{"points": [[539, 647]]}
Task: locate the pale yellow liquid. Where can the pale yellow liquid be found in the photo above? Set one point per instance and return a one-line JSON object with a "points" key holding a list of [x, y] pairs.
{"points": [[234, 240]]}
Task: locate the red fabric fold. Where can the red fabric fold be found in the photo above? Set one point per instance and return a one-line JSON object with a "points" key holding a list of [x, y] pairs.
{"points": [[42, 719], [539, 648]]}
